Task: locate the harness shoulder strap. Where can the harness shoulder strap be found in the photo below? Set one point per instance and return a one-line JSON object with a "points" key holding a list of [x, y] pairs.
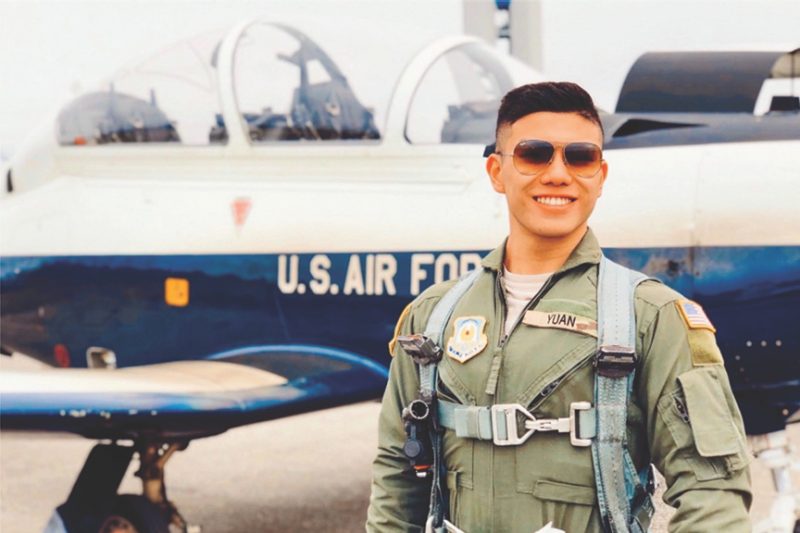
{"points": [[434, 330], [443, 309], [620, 491], [437, 322]]}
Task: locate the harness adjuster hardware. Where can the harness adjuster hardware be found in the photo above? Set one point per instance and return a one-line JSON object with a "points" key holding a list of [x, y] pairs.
{"points": [[423, 350], [505, 429], [615, 361], [574, 427], [418, 410]]}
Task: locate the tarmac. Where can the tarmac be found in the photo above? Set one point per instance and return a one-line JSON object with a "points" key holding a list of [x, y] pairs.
{"points": [[301, 474]]}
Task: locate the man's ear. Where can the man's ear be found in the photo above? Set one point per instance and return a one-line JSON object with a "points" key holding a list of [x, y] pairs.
{"points": [[493, 168], [603, 175]]}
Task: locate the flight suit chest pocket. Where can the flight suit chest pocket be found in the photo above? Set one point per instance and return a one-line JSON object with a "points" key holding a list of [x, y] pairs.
{"points": [[700, 418]]}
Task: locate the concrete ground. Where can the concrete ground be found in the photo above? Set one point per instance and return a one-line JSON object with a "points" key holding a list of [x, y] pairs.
{"points": [[301, 474]]}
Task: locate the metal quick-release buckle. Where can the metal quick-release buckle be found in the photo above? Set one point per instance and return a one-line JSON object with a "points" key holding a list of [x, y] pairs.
{"points": [[504, 424], [615, 361], [505, 430]]}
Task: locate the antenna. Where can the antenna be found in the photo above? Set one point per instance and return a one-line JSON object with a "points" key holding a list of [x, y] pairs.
{"points": [[111, 99]]}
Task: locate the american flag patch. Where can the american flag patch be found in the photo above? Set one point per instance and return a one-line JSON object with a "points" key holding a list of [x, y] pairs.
{"points": [[694, 316]]}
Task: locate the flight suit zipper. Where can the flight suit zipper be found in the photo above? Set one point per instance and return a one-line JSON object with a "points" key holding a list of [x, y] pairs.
{"points": [[497, 356], [536, 297], [551, 387]]}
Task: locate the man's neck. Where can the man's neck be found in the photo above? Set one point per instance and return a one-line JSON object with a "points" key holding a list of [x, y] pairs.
{"points": [[530, 254]]}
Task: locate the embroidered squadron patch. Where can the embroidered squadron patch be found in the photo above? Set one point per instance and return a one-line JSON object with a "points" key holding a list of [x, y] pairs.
{"points": [[694, 316], [468, 338], [561, 320]]}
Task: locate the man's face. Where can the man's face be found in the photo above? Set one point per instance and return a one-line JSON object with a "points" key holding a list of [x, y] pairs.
{"points": [[554, 204]]}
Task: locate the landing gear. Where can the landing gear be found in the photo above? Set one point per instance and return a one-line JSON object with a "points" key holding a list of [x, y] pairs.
{"points": [[774, 451], [93, 504], [153, 459]]}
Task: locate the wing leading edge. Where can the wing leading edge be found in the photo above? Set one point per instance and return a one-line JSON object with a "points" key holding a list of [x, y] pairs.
{"points": [[183, 399]]}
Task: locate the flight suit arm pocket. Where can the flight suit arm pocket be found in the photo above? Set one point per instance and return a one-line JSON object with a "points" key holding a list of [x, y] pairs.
{"points": [[702, 453], [700, 419], [713, 428]]}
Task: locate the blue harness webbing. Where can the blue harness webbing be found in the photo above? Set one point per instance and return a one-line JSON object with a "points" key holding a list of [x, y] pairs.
{"points": [[434, 330], [617, 481]]}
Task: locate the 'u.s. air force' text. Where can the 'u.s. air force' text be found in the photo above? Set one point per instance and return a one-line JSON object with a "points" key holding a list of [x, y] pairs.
{"points": [[370, 274]]}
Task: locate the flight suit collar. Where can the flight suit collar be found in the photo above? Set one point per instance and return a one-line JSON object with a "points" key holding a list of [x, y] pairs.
{"points": [[587, 252]]}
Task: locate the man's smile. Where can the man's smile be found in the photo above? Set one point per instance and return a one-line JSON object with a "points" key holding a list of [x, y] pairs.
{"points": [[554, 200]]}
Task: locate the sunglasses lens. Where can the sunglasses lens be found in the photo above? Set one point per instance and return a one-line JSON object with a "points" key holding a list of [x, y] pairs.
{"points": [[531, 157], [583, 158]]}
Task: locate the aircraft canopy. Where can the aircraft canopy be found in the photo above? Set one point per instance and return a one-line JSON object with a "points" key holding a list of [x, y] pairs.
{"points": [[266, 82]]}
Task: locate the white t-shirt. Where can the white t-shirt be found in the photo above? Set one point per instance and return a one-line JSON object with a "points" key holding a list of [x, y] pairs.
{"points": [[518, 290]]}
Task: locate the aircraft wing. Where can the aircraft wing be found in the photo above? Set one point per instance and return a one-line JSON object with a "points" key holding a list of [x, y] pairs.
{"points": [[181, 399]]}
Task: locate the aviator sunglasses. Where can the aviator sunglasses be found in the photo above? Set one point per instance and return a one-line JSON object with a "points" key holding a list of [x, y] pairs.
{"points": [[532, 156]]}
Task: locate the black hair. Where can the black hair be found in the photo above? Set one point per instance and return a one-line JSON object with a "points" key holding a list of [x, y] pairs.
{"points": [[552, 96]]}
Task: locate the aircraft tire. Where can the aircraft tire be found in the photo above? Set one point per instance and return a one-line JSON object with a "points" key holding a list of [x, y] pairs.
{"points": [[135, 514]]}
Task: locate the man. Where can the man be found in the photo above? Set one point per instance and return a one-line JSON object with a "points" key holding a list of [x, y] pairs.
{"points": [[525, 332]]}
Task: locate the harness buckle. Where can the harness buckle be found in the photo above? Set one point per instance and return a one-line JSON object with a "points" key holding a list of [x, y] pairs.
{"points": [[505, 431], [615, 361], [574, 428]]}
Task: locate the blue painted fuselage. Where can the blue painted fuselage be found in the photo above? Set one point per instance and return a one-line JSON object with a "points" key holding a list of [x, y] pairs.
{"points": [[303, 315]]}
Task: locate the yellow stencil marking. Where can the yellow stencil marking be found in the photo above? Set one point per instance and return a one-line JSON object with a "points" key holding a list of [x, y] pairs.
{"points": [[398, 327], [176, 292]]}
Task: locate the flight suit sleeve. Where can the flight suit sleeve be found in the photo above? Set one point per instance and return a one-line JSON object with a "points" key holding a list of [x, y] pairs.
{"points": [[694, 426], [399, 500]]}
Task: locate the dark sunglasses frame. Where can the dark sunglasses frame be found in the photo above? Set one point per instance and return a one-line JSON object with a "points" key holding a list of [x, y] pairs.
{"points": [[554, 147]]}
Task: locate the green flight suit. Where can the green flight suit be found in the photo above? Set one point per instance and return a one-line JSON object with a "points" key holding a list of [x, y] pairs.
{"points": [[681, 416]]}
